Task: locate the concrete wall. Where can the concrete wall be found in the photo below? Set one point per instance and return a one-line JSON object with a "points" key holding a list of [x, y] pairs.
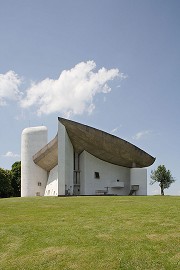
{"points": [[33, 178], [65, 162], [116, 178], [82, 164], [52, 183], [138, 176]]}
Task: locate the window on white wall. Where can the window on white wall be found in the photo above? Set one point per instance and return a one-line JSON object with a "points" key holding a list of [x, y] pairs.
{"points": [[96, 175], [39, 184]]}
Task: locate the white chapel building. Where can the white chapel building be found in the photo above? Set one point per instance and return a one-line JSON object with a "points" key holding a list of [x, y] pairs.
{"points": [[81, 160]]}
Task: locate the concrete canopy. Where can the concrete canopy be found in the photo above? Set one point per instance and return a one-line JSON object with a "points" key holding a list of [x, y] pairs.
{"points": [[100, 144], [105, 146], [47, 157]]}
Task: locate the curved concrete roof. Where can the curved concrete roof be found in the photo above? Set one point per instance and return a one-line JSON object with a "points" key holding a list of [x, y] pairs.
{"points": [[47, 157], [105, 146], [100, 144]]}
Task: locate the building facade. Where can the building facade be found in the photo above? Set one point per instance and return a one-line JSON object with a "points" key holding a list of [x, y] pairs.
{"points": [[81, 160]]}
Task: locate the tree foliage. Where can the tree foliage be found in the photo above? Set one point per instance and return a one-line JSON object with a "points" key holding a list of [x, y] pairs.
{"points": [[16, 178], [10, 181], [6, 189], [163, 177]]}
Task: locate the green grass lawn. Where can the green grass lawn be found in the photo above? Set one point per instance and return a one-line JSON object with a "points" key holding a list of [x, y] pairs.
{"points": [[90, 233]]}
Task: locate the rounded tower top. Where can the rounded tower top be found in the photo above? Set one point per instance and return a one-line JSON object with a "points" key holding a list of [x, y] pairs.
{"points": [[31, 130]]}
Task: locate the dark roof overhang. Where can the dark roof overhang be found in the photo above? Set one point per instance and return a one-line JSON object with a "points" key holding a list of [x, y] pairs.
{"points": [[47, 157], [105, 146], [100, 144]]}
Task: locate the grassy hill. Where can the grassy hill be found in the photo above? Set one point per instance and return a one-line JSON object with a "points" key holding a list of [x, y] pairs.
{"points": [[90, 233]]}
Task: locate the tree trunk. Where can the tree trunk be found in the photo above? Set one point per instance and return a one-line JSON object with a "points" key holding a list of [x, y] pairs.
{"points": [[162, 189]]}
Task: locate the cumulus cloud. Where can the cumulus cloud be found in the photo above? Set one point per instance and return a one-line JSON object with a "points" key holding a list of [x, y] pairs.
{"points": [[73, 92], [9, 87], [141, 134], [10, 154]]}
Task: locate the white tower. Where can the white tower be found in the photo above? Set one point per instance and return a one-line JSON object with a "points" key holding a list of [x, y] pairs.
{"points": [[33, 178]]}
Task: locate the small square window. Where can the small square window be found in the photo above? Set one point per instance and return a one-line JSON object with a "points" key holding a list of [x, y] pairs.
{"points": [[96, 175], [39, 184]]}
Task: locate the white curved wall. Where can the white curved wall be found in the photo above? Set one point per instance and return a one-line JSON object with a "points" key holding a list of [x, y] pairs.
{"points": [[52, 183], [138, 176], [112, 177], [32, 140], [65, 161]]}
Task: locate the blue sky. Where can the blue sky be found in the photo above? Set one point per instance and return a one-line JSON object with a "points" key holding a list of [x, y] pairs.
{"points": [[110, 64]]}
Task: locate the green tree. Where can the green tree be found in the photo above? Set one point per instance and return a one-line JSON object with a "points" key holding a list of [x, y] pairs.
{"points": [[163, 177], [16, 178], [6, 189]]}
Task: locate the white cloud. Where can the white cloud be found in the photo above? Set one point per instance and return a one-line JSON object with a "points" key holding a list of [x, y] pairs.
{"points": [[73, 92], [10, 154], [141, 134], [9, 87], [114, 130]]}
